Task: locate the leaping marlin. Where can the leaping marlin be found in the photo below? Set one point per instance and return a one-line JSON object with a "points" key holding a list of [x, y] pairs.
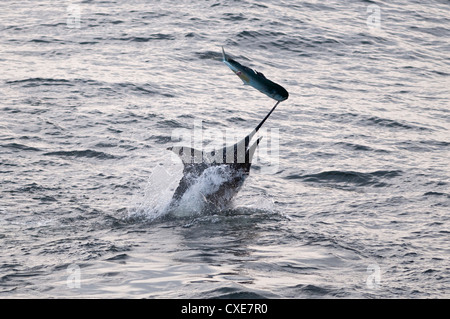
{"points": [[233, 162]]}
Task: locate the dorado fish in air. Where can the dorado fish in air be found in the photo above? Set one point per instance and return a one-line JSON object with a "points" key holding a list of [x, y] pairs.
{"points": [[256, 79], [231, 162]]}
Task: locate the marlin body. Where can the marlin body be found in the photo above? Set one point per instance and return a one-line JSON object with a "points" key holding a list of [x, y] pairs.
{"points": [[256, 79], [230, 164]]}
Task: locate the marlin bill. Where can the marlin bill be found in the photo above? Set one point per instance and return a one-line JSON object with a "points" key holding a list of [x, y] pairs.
{"points": [[256, 79]]}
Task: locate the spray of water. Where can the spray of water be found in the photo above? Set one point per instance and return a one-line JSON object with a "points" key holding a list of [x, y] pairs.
{"points": [[154, 200], [194, 200]]}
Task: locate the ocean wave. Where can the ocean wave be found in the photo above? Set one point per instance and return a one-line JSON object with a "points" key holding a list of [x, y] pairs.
{"points": [[234, 17], [83, 153], [234, 293], [38, 81], [34, 188], [20, 147], [102, 87], [171, 124], [33, 82], [348, 177], [152, 37], [147, 89], [436, 194], [259, 34], [160, 139], [378, 121], [364, 120], [359, 147], [313, 290], [209, 55]]}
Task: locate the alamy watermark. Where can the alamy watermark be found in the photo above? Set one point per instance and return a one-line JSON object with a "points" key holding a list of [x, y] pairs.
{"points": [[73, 20], [374, 19], [374, 278], [74, 276]]}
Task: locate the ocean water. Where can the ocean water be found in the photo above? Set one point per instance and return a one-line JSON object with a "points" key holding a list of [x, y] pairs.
{"points": [[355, 205]]}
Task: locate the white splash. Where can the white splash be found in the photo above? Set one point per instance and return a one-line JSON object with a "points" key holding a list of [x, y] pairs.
{"points": [[158, 193], [194, 200], [161, 185]]}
